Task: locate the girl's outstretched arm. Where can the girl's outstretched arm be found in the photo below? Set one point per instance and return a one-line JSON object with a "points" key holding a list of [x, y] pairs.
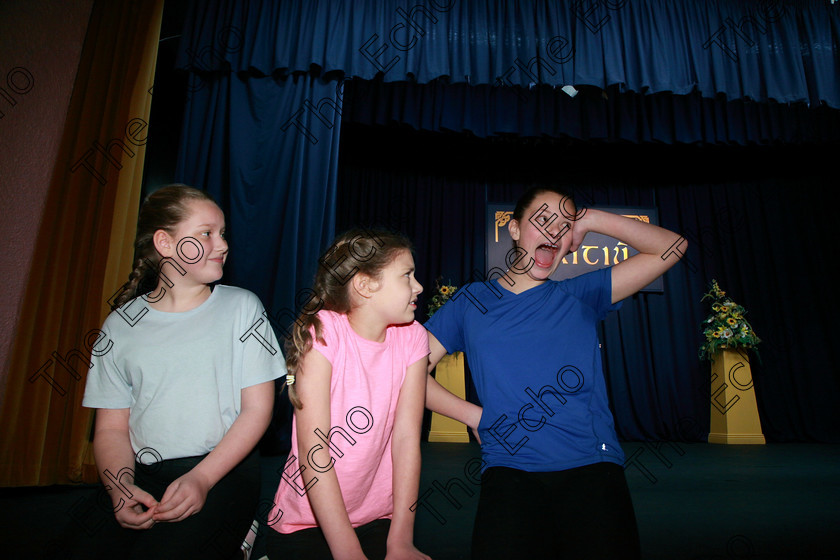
{"points": [[659, 249], [313, 387], [115, 461], [442, 401], [187, 494], [405, 454]]}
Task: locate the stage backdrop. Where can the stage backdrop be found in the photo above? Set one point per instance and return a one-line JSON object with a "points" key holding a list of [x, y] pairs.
{"points": [[268, 103]]}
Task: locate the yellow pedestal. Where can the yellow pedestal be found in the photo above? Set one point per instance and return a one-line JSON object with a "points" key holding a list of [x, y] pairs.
{"points": [[449, 372], [734, 413]]}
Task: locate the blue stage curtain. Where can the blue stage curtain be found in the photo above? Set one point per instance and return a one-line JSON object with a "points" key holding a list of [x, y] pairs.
{"points": [[593, 114], [255, 131], [245, 141], [757, 49]]}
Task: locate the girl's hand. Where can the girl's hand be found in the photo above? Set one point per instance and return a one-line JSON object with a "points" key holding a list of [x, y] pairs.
{"points": [[129, 512], [405, 551], [183, 498], [580, 228]]}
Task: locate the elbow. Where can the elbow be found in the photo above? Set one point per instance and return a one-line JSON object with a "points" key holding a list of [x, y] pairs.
{"points": [[676, 250]]}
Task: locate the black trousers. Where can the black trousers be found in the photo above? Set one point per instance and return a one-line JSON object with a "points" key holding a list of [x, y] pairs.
{"points": [[580, 513], [215, 532], [310, 544]]}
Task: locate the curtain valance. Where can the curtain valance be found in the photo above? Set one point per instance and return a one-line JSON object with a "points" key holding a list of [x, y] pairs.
{"points": [[780, 50], [486, 111]]}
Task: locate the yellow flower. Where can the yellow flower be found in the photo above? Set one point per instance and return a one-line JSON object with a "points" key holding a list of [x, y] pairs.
{"points": [[444, 290], [732, 321]]}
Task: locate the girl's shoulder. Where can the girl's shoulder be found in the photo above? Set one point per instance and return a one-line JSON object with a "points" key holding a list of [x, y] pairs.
{"points": [[235, 293], [407, 334], [408, 340], [593, 289], [334, 326], [593, 278], [328, 317], [232, 298]]}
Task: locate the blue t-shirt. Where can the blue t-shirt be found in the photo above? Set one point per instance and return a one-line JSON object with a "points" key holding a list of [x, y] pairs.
{"points": [[536, 364]]}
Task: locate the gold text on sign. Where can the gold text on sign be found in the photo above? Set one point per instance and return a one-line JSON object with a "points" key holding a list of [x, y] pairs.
{"points": [[592, 255]]}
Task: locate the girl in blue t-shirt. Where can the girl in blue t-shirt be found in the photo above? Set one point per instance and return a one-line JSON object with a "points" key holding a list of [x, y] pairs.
{"points": [[553, 484]]}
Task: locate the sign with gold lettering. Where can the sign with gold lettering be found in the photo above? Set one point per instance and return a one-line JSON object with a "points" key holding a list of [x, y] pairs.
{"points": [[597, 250]]}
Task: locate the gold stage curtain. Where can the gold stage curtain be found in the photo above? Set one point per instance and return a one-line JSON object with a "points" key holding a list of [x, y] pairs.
{"points": [[84, 250]]}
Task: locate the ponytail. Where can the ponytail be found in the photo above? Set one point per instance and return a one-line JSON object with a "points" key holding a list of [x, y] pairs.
{"points": [[301, 342], [137, 280]]}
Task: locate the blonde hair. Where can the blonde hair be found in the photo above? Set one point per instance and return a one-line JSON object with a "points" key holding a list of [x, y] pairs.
{"points": [[357, 251]]}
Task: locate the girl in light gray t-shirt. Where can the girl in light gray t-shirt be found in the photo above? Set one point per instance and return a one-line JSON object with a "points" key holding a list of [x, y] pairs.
{"points": [[183, 384]]}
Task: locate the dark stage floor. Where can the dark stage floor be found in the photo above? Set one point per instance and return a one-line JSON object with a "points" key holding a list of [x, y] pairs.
{"points": [[694, 501]]}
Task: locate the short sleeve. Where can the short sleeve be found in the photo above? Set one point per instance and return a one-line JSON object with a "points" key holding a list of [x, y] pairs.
{"points": [[447, 324], [327, 348], [418, 344], [262, 357], [594, 289], [107, 386]]}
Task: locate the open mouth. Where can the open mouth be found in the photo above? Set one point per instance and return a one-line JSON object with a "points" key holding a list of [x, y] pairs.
{"points": [[544, 255]]}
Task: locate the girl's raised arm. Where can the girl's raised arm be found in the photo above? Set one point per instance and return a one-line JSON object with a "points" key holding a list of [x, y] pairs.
{"points": [[405, 455], [313, 388], [659, 249]]}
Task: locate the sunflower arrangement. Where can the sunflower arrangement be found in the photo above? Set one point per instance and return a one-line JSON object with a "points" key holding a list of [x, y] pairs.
{"points": [[725, 327], [442, 295]]}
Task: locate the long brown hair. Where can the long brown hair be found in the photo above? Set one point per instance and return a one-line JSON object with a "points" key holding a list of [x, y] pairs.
{"points": [[357, 251], [163, 209]]}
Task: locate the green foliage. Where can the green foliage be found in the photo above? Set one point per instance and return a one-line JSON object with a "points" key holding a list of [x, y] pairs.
{"points": [[442, 295], [726, 326]]}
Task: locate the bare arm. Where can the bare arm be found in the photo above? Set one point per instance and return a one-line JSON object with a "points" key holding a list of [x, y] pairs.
{"points": [[325, 495], [442, 401], [659, 249], [115, 461], [405, 454], [187, 494]]}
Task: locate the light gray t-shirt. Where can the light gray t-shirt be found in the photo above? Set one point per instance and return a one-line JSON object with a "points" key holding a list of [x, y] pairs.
{"points": [[181, 374]]}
